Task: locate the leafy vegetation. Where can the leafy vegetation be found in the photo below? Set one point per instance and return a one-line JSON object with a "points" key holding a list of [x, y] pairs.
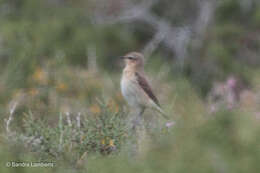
{"points": [[60, 100]]}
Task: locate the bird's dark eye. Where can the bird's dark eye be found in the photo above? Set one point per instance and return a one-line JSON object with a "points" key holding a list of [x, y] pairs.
{"points": [[131, 58]]}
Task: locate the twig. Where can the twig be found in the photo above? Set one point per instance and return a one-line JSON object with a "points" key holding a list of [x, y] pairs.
{"points": [[61, 132], [78, 119], [11, 116], [68, 119], [153, 44]]}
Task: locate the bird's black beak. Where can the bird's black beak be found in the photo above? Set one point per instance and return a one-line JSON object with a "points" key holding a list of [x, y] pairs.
{"points": [[122, 57]]}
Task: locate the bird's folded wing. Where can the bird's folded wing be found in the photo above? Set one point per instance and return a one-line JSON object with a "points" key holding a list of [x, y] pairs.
{"points": [[146, 88]]}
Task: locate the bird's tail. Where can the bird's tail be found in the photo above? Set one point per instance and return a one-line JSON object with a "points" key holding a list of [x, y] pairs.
{"points": [[159, 109]]}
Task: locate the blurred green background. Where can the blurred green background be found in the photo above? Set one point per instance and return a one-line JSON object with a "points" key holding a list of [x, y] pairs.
{"points": [[60, 76]]}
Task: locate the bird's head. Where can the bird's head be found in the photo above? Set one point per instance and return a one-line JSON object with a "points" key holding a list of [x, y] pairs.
{"points": [[134, 60]]}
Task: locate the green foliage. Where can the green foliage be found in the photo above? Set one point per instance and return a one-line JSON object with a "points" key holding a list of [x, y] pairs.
{"points": [[104, 132], [44, 51]]}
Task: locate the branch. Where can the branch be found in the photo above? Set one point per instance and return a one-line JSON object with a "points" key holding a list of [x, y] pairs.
{"points": [[176, 39], [11, 116]]}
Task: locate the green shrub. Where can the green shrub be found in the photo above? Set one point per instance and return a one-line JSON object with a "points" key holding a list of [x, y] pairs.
{"points": [[103, 132]]}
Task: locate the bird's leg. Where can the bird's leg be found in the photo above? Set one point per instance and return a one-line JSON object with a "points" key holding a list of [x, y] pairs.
{"points": [[141, 112], [138, 120], [140, 133]]}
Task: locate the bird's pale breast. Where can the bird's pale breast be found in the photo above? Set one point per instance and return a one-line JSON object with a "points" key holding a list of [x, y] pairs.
{"points": [[130, 90]]}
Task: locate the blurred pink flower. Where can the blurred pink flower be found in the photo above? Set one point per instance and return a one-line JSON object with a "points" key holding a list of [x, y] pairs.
{"points": [[169, 124], [231, 82]]}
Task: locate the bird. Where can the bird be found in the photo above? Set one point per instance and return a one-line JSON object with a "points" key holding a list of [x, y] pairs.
{"points": [[134, 85]]}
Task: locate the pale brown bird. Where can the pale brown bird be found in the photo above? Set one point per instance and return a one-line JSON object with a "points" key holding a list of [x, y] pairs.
{"points": [[134, 86]]}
